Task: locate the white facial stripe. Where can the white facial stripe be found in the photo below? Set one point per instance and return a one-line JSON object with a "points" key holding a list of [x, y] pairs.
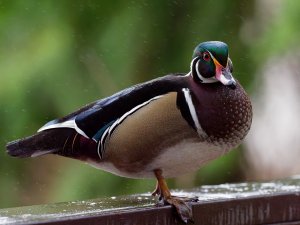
{"points": [[203, 79], [191, 66], [188, 99], [197, 70]]}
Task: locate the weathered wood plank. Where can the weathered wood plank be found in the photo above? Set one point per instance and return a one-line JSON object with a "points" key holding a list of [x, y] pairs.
{"points": [[276, 202]]}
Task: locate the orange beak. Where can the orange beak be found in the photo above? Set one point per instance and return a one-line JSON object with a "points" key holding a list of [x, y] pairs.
{"points": [[224, 75]]}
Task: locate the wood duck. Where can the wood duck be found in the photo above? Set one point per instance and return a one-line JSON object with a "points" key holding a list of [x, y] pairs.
{"points": [[159, 129]]}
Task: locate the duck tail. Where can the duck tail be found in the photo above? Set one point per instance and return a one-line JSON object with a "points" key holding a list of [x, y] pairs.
{"points": [[44, 142]]}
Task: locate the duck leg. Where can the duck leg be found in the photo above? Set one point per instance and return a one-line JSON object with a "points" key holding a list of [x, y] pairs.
{"points": [[157, 190], [182, 207]]}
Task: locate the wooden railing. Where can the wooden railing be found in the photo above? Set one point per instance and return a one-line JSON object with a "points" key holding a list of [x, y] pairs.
{"points": [[276, 202]]}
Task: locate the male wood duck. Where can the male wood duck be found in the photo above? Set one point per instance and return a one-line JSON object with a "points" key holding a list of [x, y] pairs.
{"points": [[165, 127]]}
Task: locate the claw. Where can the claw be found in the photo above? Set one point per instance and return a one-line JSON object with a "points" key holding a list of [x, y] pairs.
{"points": [[184, 210], [156, 190], [181, 204]]}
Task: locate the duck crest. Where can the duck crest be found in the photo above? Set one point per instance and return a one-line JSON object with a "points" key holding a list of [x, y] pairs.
{"points": [[225, 115]]}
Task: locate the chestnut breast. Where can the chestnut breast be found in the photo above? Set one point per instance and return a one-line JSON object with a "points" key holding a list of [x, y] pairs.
{"points": [[224, 114]]}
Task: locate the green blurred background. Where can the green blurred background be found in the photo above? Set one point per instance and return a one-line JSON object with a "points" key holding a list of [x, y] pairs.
{"points": [[56, 56]]}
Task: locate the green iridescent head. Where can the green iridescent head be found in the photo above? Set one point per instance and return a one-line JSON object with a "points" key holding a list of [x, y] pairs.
{"points": [[211, 63]]}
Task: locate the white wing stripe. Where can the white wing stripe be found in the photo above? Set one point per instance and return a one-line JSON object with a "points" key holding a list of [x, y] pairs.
{"points": [[120, 120], [109, 131], [66, 124], [106, 134]]}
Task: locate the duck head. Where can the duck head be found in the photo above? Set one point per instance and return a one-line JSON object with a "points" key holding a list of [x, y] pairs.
{"points": [[211, 63]]}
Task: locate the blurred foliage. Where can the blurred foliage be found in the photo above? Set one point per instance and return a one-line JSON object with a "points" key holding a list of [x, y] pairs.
{"points": [[56, 56]]}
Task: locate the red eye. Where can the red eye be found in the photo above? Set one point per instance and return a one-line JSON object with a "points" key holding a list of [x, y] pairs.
{"points": [[206, 56]]}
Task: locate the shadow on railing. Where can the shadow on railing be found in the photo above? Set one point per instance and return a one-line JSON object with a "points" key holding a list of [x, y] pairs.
{"points": [[276, 202]]}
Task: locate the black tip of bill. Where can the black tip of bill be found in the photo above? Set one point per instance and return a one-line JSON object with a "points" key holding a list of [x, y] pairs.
{"points": [[232, 85]]}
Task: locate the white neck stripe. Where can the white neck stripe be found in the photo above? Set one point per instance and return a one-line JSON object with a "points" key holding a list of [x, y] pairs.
{"points": [[188, 99]]}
